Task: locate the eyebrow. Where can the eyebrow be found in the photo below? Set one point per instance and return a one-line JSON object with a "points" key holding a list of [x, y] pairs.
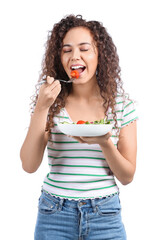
{"points": [[80, 44]]}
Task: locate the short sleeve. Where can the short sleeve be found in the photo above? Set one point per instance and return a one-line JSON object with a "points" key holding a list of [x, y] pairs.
{"points": [[129, 113]]}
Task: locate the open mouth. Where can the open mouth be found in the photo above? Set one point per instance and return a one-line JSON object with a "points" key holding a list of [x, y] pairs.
{"points": [[79, 68]]}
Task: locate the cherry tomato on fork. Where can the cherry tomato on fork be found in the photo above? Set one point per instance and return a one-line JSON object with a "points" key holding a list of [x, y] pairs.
{"points": [[74, 74]]}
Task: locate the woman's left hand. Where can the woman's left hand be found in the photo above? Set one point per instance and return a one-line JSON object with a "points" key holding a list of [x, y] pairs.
{"points": [[101, 140]]}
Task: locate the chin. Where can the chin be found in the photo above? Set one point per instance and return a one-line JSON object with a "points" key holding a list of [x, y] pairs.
{"points": [[80, 81]]}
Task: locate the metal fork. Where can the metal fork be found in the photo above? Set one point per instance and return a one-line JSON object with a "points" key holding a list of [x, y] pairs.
{"points": [[69, 81]]}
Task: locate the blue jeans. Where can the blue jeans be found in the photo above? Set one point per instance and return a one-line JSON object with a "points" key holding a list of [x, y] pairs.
{"points": [[92, 219]]}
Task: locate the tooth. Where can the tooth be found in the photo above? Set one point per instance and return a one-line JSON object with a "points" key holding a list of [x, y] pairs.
{"points": [[76, 67]]}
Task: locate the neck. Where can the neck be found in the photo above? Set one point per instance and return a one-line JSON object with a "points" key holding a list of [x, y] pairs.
{"points": [[85, 91]]}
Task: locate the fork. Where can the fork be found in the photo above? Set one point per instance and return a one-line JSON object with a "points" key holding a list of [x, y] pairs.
{"points": [[69, 81]]}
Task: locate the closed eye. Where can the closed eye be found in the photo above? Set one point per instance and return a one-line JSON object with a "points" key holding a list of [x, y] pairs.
{"points": [[84, 50], [66, 51]]}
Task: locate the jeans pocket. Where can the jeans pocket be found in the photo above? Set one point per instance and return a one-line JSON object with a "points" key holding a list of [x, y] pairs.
{"points": [[110, 208], [47, 206]]}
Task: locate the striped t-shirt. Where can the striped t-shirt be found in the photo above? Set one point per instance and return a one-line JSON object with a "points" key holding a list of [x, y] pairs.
{"points": [[79, 170]]}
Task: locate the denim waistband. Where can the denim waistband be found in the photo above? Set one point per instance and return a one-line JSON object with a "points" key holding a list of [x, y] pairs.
{"points": [[79, 203]]}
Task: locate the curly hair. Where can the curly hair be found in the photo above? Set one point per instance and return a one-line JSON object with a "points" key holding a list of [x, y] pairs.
{"points": [[108, 69]]}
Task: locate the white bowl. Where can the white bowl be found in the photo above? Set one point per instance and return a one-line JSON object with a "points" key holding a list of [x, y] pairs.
{"points": [[85, 130]]}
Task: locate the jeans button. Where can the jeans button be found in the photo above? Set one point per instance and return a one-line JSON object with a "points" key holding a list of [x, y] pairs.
{"points": [[82, 203]]}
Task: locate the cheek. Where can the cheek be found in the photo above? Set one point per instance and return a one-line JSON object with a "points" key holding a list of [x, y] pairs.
{"points": [[93, 61], [92, 56], [65, 61]]}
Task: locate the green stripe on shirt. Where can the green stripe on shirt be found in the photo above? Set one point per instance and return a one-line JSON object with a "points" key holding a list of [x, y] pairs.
{"points": [[130, 121], [113, 120], [57, 133], [92, 150], [61, 117], [128, 104], [76, 157], [129, 113], [75, 189], [61, 142], [66, 165], [101, 180], [80, 174]]}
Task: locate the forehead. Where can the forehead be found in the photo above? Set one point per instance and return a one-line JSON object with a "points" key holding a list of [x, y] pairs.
{"points": [[77, 35]]}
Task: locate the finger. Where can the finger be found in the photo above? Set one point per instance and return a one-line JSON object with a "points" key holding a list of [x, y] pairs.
{"points": [[77, 138], [55, 84], [88, 140], [50, 80], [108, 135], [55, 93]]}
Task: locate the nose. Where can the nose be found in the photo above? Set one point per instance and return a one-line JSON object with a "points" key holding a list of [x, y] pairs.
{"points": [[75, 55]]}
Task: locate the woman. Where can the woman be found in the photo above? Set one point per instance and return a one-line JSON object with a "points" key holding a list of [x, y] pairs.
{"points": [[80, 198]]}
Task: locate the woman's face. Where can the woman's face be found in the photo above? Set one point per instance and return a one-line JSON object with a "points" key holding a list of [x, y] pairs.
{"points": [[79, 52]]}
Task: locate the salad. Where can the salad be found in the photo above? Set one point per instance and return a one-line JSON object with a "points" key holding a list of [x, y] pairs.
{"points": [[86, 128], [102, 121]]}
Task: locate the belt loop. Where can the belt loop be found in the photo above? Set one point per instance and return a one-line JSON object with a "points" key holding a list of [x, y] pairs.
{"points": [[93, 205], [60, 204]]}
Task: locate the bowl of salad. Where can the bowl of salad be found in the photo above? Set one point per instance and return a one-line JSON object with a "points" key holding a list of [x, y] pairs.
{"points": [[86, 128]]}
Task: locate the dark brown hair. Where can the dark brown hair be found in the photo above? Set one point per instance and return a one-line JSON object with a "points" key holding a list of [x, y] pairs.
{"points": [[108, 69]]}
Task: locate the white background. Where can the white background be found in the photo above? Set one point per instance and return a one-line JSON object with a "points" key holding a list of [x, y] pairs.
{"points": [[134, 27]]}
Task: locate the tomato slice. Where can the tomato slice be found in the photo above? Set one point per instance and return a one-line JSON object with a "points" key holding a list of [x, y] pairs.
{"points": [[74, 74], [80, 122]]}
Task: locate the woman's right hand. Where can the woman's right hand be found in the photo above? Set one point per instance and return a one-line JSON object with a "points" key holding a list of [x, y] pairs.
{"points": [[48, 93]]}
